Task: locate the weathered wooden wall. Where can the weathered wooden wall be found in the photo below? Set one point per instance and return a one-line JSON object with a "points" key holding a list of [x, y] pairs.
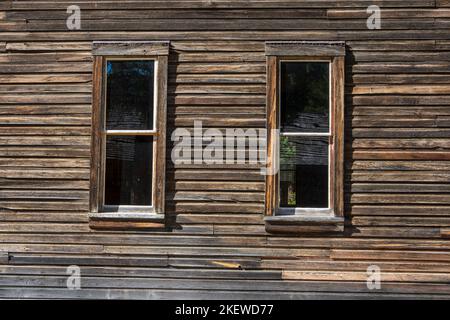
{"points": [[397, 153]]}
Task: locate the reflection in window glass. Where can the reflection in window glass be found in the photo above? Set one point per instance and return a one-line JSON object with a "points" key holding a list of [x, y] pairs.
{"points": [[304, 172], [128, 176], [304, 97], [129, 94]]}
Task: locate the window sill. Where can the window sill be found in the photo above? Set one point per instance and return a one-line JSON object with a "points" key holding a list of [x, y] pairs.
{"points": [[126, 221], [302, 224]]}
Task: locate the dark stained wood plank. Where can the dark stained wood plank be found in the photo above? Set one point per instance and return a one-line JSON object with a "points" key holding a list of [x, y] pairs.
{"points": [[198, 4], [304, 48], [140, 48]]}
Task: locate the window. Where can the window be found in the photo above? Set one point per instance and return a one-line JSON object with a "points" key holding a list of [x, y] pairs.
{"points": [[305, 102], [128, 130], [304, 134]]}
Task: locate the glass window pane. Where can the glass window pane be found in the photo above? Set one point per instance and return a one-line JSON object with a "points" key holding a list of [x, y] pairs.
{"points": [[129, 95], [304, 97], [128, 172], [304, 172]]}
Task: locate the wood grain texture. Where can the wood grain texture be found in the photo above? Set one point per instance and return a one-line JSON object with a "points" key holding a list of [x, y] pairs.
{"points": [[305, 48], [96, 153], [272, 123], [130, 48], [161, 124], [338, 105], [396, 151]]}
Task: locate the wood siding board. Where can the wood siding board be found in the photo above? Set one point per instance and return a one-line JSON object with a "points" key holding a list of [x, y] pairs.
{"points": [[130, 48], [214, 243], [305, 49]]}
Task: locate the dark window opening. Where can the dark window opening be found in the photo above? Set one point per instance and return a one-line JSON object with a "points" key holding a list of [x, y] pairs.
{"points": [[129, 95], [128, 176]]}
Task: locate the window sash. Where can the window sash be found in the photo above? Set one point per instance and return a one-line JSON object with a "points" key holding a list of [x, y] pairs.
{"points": [[128, 132], [301, 210], [155, 96], [293, 60], [127, 208]]}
